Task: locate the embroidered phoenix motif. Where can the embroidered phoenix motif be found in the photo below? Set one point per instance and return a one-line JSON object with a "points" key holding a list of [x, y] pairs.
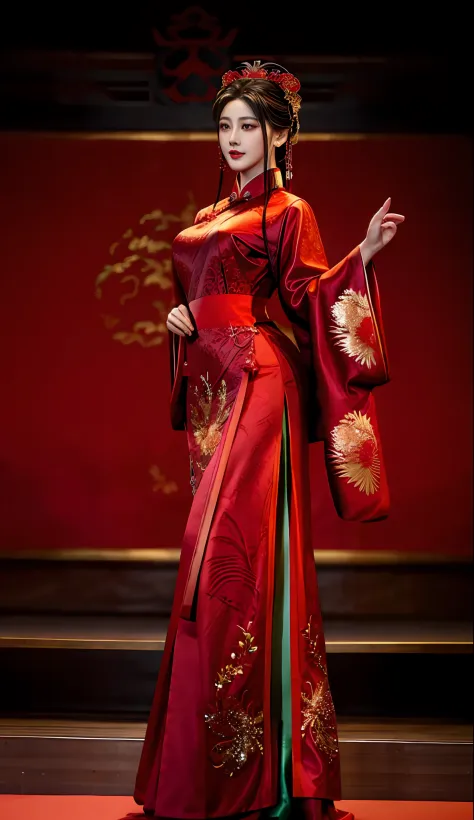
{"points": [[355, 452], [354, 328]]}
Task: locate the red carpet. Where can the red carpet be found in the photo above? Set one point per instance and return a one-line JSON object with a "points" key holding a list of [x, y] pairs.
{"points": [[58, 807]]}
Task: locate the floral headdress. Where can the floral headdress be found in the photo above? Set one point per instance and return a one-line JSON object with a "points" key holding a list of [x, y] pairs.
{"points": [[287, 82]]}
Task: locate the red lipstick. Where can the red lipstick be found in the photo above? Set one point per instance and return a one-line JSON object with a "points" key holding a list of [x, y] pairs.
{"points": [[235, 154]]}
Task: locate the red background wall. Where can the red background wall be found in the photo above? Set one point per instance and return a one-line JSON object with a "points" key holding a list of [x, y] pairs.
{"points": [[87, 457]]}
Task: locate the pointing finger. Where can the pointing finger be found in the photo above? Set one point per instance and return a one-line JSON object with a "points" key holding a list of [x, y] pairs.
{"points": [[383, 210]]}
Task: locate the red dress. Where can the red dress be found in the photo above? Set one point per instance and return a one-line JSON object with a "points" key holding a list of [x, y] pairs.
{"points": [[242, 721]]}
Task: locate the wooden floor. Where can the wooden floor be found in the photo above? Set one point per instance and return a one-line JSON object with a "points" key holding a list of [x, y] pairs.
{"points": [[380, 759], [350, 729]]}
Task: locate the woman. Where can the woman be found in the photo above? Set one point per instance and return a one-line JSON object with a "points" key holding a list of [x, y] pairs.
{"points": [[242, 721]]}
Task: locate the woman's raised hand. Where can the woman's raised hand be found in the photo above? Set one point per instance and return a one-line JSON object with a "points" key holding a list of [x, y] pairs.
{"points": [[179, 322], [382, 228]]}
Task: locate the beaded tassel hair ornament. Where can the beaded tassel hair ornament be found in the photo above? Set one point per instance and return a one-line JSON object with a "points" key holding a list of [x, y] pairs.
{"points": [[290, 86]]}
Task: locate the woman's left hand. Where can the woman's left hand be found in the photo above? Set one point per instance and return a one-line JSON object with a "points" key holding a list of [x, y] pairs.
{"points": [[382, 228]]}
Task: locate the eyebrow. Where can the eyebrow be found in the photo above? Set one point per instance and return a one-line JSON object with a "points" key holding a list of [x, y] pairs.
{"points": [[250, 117]]}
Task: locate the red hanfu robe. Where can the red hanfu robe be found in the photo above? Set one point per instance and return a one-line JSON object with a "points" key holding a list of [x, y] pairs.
{"points": [[243, 391]]}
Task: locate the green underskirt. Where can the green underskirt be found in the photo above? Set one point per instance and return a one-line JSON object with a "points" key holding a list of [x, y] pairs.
{"points": [[281, 664]]}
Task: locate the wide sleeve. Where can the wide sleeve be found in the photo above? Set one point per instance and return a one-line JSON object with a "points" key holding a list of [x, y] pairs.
{"points": [[336, 318]]}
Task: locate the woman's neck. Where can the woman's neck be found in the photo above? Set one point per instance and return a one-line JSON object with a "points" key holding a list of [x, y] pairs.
{"points": [[244, 177]]}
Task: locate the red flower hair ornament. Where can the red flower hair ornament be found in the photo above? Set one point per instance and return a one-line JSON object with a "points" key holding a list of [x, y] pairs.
{"points": [[287, 82]]}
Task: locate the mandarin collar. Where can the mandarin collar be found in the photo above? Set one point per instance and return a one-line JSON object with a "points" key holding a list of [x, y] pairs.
{"points": [[256, 186]]}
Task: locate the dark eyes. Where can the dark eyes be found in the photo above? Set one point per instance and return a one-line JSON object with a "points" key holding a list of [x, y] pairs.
{"points": [[247, 126]]}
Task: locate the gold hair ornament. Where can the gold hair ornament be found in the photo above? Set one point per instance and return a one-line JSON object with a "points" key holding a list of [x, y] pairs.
{"points": [[288, 82]]}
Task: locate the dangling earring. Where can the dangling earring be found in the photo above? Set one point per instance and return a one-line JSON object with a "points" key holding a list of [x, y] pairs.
{"points": [[222, 162], [289, 163]]}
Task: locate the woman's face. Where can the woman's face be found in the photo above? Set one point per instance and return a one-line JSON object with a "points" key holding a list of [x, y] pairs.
{"points": [[241, 140]]}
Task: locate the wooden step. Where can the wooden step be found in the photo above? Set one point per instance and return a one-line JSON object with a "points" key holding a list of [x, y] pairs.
{"points": [[103, 667], [134, 633], [369, 584], [384, 760]]}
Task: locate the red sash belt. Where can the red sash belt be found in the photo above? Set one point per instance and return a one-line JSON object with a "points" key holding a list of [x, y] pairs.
{"points": [[226, 309]]}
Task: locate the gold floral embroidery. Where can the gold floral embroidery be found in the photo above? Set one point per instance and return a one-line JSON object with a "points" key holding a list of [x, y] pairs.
{"points": [[355, 452], [207, 431], [241, 734], [317, 710], [239, 730], [318, 715], [313, 650], [246, 647], [354, 329]]}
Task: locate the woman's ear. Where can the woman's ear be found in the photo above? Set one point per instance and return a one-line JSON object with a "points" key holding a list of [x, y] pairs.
{"points": [[281, 137]]}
